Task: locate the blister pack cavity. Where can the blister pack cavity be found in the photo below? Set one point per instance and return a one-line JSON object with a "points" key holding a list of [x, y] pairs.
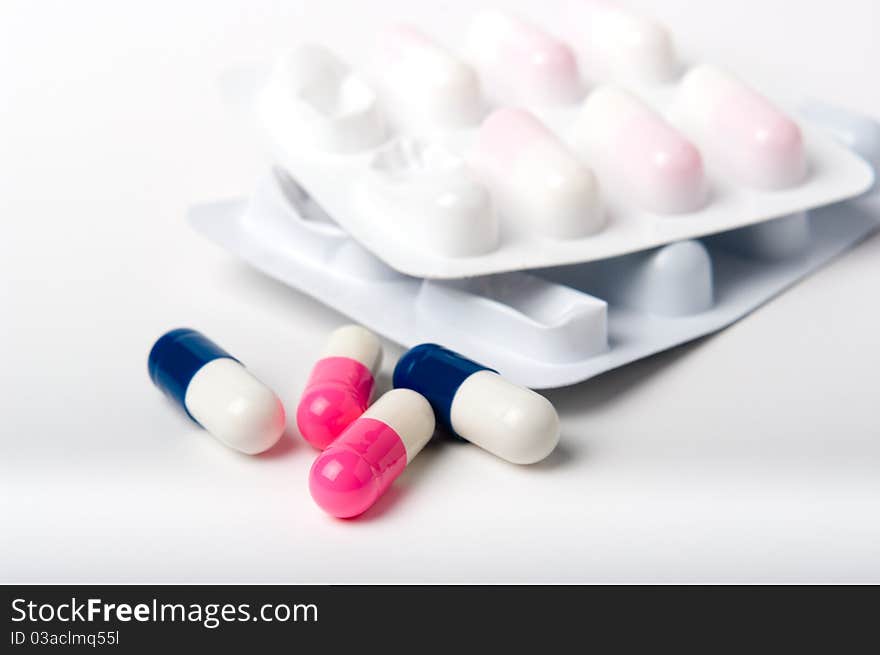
{"points": [[557, 325], [522, 148]]}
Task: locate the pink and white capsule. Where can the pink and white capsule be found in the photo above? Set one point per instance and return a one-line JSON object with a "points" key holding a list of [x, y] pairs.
{"points": [[340, 385], [426, 83], [361, 464], [527, 64], [758, 143], [640, 152], [536, 180]]}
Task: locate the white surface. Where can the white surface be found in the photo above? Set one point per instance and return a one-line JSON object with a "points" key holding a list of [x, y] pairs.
{"points": [[751, 455]]}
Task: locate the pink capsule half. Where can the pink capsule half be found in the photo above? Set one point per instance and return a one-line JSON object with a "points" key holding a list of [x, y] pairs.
{"points": [[340, 386], [351, 475], [528, 64]]}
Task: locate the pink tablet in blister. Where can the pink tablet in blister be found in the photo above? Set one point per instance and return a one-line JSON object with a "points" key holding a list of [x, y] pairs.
{"points": [[524, 63], [340, 386], [643, 155], [535, 179], [425, 83], [755, 141]]}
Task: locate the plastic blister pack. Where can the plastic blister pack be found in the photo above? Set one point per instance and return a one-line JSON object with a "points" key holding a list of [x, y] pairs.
{"points": [[554, 326], [526, 151]]}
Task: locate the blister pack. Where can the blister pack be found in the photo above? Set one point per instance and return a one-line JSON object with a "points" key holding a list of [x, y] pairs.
{"points": [[522, 150], [554, 326]]}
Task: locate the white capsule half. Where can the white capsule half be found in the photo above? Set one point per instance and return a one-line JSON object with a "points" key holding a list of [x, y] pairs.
{"points": [[509, 421], [357, 343], [234, 406]]}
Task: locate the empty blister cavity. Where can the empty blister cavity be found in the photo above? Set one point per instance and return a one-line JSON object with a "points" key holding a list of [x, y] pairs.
{"points": [[535, 179], [778, 238], [313, 99], [675, 280], [426, 84], [520, 313], [640, 153], [752, 139], [521, 63], [427, 195], [618, 43]]}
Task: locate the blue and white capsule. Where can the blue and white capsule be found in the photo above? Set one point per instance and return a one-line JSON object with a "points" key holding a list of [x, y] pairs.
{"points": [[216, 391], [475, 403]]}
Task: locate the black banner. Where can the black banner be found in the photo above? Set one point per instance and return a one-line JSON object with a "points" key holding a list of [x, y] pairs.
{"points": [[379, 618]]}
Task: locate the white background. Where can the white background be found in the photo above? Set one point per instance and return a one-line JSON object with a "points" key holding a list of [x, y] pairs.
{"points": [[750, 455]]}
